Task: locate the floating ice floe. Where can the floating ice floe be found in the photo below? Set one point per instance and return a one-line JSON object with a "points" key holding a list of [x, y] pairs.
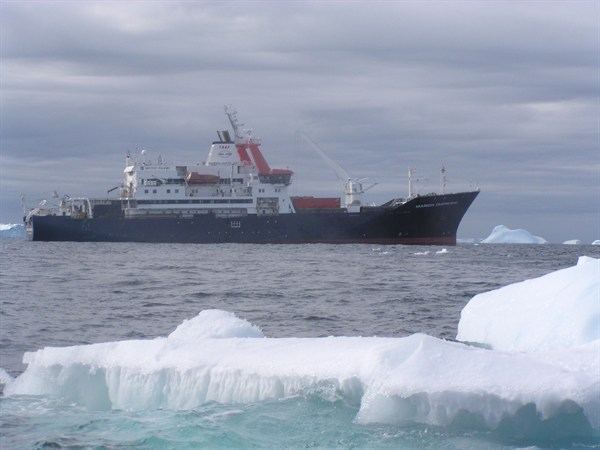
{"points": [[468, 240], [504, 235], [12, 230], [572, 242], [596, 242], [218, 357]]}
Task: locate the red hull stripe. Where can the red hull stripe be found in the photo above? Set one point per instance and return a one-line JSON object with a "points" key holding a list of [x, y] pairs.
{"points": [[447, 240]]}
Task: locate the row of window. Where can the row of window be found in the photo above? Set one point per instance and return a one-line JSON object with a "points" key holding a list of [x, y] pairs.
{"points": [[195, 191], [195, 202], [146, 191], [230, 180], [156, 182]]}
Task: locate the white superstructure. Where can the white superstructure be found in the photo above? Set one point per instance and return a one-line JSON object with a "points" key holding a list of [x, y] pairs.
{"points": [[235, 180]]}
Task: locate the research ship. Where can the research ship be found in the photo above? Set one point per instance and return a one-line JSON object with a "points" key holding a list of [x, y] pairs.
{"points": [[236, 197]]}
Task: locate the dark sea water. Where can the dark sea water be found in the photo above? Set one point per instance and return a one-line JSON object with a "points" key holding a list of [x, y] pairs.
{"points": [[63, 294]]}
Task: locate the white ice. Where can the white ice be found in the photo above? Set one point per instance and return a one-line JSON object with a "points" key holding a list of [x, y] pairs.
{"points": [[12, 230], [5, 378], [572, 242], [219, 357], [8, 226], [557, 311], [504, 235]]}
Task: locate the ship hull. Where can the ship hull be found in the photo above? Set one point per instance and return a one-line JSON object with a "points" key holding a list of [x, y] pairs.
{"points": [[426, 220]]}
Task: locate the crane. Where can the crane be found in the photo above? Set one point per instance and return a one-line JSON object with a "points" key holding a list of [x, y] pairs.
{"points": [[353, 187]]}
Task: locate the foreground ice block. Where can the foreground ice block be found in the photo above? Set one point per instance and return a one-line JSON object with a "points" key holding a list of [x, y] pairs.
{"points": [[557, 311], [218, 357]]}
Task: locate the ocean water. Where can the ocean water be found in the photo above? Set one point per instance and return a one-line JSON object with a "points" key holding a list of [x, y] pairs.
{"points": [[66, 294]]}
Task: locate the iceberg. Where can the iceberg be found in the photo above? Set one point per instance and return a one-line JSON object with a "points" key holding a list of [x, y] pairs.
{"points": [[558, 311], [572, 242], [504, 235], [5, 378], [596, 242], [218, 357], [12, 230], [468, 240]]}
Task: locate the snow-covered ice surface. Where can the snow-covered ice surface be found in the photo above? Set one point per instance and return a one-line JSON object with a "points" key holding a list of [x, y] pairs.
{"points": [[558, 311], [504, 235], [543, 364], [395, 380]]}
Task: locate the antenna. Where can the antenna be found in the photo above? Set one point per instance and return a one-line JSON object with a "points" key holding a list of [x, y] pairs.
{"points": [[443, 179]]}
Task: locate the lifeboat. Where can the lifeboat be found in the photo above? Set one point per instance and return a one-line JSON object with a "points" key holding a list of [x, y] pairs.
{"points": [[201, 178]]}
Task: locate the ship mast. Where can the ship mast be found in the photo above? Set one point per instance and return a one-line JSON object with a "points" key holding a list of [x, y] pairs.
{"points": [[242, 136], [235, 124], [443, 179]]}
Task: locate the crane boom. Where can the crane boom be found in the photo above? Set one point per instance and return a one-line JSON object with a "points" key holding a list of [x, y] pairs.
{"points": [[340, 172], [353, 188]]}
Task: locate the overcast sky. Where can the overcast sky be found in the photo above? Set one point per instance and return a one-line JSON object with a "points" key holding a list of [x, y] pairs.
{"points": [[504, 94]]}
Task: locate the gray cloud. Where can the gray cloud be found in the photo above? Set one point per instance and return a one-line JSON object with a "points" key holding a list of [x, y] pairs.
{"points": [[505, 94]]}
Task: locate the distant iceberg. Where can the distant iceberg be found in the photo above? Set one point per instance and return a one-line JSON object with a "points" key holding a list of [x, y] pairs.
{"points": [[545, 356], [596, 242], [468, 240], [572, 242], [504, 235], [12, 230]]}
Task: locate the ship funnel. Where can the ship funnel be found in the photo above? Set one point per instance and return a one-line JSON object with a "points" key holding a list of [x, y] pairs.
{"points": [[224, 136]]}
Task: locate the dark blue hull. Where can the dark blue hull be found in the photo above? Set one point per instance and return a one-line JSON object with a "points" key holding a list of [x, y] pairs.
{"points": [[429, 220]]}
